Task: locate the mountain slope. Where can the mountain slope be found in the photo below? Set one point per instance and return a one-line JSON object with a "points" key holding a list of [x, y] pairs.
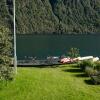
{"points": [[54, 16], [6, 13]]}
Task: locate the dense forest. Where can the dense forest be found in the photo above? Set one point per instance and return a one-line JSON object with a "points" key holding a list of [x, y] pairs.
{"points": [[52, 16]]}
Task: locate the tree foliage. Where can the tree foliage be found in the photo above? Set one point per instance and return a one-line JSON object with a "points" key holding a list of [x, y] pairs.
{"points": [[73, 53], [52, 16], [5, 54]]}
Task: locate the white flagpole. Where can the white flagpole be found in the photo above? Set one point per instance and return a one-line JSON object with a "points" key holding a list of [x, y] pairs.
{"points": [[15, 56]]}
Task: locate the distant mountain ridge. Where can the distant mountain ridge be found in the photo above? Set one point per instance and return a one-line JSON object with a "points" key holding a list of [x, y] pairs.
{"points": [[52, 16]]}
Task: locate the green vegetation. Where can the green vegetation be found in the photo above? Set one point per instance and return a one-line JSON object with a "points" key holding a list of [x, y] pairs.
{"points": [[62, 83], [91, 69], [52, 16], [89, 63], [86, 63], [73, 53], [6, 15], [97, 65], [5, 54]]}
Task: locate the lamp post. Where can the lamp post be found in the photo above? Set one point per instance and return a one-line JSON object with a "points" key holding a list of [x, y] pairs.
{"points": [[15, 55]]}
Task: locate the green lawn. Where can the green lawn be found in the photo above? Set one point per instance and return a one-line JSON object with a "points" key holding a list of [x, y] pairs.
{"points": [[61, 83]]}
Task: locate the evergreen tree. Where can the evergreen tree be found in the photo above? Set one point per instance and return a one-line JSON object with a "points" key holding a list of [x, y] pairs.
{"points": [[5, 54]]}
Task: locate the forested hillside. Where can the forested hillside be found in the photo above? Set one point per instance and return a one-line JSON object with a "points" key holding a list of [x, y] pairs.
{"points": [[52, 16], [6, 13]]}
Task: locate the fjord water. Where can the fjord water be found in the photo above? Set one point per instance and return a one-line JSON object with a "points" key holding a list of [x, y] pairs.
{"points": [[41, 46]]}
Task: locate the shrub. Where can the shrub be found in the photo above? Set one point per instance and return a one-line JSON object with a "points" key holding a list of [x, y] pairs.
{"points": [[96, 79], [86, 63], [6, 73], [5, 54], [97, 65], [90, 71]]}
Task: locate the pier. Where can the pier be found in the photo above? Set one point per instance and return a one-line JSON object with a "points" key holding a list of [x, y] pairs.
{"points": [[38, 62]]}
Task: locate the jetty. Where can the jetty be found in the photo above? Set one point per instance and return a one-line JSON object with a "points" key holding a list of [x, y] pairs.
{"points": [[45, 62]]}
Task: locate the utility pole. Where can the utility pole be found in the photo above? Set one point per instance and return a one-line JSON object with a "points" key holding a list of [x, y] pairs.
{"points": [[15, 55]]}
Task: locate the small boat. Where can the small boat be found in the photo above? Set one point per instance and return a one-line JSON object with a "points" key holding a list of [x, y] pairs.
{"points": [[67, 60], [95, 59], [85, 58], [72, 60]]}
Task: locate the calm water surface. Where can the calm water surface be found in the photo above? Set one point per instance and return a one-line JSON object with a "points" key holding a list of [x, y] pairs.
{"points": [[41, 46]]}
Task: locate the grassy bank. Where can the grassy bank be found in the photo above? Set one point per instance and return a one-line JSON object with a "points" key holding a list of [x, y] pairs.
{"points": [[61, 83]]}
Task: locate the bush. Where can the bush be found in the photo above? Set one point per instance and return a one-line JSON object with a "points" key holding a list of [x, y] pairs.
{"points": [[96, 79], [5, 54], [86, 63], [90, 71], [6, 73], [97, 65]]}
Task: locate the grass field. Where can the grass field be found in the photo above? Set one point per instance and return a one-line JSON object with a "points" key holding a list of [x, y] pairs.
{"points": [[61, 83]]}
